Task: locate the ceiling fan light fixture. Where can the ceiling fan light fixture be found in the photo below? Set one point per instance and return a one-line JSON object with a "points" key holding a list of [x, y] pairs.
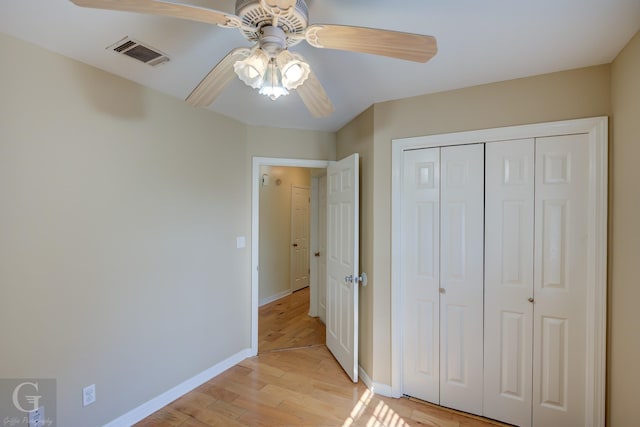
{"points": [[272, 82], [295, 70], [252, 69]]}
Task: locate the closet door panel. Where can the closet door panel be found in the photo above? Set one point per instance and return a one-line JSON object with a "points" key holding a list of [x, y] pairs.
{"points": [[461, 261], [421, 269], [509, 234], [561, 256]]}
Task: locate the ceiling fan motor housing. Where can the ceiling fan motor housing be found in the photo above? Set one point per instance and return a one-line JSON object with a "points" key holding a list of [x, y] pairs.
{"points": [[254, 15]]}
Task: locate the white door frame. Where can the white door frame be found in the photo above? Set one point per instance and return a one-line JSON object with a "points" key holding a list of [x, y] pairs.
{"points": [[597, 128], [314, 279], [255, 227]]}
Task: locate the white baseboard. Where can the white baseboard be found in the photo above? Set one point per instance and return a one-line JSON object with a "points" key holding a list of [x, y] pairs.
{"points": [[366, 379], [383, 390], [158, 402], [273, 298], [377, 388]]}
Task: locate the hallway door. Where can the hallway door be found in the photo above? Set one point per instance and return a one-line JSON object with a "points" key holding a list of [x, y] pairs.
{"points": [[342, 263], [300, 201]]}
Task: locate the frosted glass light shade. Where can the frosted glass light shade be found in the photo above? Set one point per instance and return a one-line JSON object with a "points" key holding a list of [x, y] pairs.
{"points": [[295, 70], [252, 69], [272, 84]]}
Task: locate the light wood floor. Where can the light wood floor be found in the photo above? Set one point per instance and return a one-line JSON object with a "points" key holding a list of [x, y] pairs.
{"points": [[285, 323], [303, 386]]}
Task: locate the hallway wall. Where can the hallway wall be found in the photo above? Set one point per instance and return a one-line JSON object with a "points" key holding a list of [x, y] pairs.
{"points": [[275, 229]]}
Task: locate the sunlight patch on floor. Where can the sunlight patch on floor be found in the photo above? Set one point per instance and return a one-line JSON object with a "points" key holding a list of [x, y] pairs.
{"points": [[383, 415], [359, 408]]}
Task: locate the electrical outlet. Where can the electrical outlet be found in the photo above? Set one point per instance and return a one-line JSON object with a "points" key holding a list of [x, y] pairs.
{"points": [[36, 418], [88, 395]]}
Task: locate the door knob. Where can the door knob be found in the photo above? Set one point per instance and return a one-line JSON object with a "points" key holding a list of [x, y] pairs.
{"points": [[295, 245], [362, 279], [316, 254], [531, 300]]}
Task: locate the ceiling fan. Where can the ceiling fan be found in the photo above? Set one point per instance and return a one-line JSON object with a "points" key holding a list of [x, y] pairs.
{"points": [[274, 26]]}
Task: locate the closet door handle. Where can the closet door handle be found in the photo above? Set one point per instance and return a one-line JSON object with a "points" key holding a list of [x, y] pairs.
{"points": [[531, 300], [443, 291]]}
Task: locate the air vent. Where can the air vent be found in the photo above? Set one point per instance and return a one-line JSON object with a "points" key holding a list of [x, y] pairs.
{"points": [[136, 50]]}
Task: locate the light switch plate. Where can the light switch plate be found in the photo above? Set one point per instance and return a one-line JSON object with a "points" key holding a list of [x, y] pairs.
{"points": [[88, 395], [36, 418], [241, 242]]}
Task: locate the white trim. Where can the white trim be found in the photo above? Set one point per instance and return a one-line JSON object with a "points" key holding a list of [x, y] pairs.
{"points": [[255, 227], [159, 402], [538, 130], [377, 388], [365, 378], [383, 390], [595, 387], [276, 297], [597, 128], [313, 248], [397, 296]]}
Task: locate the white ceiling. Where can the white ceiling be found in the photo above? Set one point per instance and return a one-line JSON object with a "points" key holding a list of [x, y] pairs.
{"points": [[478, 42]]}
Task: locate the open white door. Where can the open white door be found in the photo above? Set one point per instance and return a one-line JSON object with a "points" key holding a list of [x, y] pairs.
{"points": [[342, 263]]}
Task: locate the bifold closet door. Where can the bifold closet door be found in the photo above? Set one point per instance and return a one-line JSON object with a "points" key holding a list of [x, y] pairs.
{"points": [[509, 235], [535, 283], [461, 277], [560, 277], [443, 228], [421, 274]]}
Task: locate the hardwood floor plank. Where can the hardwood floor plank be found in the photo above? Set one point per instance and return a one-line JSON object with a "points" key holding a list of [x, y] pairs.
{"points": [[285, 323], [195, 411], [198, 398], [218, 393], [227, 409], [255, 364], [263, 415], [165, 417]]}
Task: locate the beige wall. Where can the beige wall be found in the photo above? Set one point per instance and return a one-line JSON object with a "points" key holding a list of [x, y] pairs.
{"points": [[624, 239], [275, 228], [357, 137], [120, 211], [559, 96], [291, 143]]}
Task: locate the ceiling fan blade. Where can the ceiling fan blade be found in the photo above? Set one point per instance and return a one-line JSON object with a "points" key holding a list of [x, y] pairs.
{"points": [[162, 8], [217, 79], [314, 97], [408, 46]]}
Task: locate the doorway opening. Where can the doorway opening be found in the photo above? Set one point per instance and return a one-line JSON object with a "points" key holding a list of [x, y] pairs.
{"points": [[284, 244], [285, 319]]}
